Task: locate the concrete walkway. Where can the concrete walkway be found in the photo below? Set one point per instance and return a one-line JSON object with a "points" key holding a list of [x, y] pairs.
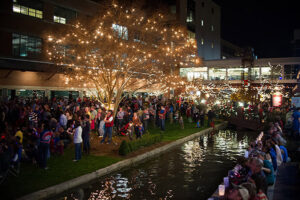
{"points": [[287, 184]]}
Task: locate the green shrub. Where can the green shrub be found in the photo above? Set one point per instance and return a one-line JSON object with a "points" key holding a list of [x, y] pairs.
{"points": [[146, 140], [124, 148]]}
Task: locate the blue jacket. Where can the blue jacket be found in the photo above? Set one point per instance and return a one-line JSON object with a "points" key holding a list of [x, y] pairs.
{"points": [[285, 154], [274, 159]]}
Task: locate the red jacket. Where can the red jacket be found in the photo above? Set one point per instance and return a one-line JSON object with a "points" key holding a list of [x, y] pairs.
{"points": [[109, 124]]}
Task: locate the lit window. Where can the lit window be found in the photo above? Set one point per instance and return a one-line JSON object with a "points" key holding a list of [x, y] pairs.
{"points": [[121, 31], [202, 22], [39, 14], [266, 72], [191, 5], [255, 73], [189, 17], [212, 45], [17, 8], [217, 73], [237, 73], [58, 19], [191, 35], [27, 11], [26, 46], [202, 41], [63, 15], [212, 28], [31, 12]]}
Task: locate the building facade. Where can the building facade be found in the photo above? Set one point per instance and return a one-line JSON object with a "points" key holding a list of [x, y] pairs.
{"points": [[229, 50], [234, 72], [203, 20], [24, 71], [24, 23]]}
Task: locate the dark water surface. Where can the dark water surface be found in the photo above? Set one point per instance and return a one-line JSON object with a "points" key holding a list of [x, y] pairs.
{"points": [[191, 171]]}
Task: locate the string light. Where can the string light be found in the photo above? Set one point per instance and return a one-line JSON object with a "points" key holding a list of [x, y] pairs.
{"points": [[126, 52]]}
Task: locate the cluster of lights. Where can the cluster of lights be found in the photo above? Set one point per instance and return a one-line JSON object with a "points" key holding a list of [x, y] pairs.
{"points": [[126, 52]]}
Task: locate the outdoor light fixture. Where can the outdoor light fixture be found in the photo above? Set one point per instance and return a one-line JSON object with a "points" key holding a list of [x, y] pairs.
{"points": [[241, 104], [221, 190]]}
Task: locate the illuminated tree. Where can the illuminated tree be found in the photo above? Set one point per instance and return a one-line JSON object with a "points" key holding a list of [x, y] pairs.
{"points": [[244, 95], [124, 49]]}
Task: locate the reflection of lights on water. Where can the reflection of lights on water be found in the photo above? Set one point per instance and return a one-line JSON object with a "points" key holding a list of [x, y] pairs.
{"points": [[111, 188], [193, 152], [226, 140], [213, 148]]}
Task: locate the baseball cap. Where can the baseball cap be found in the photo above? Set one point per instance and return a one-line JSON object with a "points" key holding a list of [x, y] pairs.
{"points": [[242, 191]]}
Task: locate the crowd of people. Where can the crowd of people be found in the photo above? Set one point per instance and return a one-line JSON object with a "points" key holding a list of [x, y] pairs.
{"points": [[32, 130], [256, 171]]}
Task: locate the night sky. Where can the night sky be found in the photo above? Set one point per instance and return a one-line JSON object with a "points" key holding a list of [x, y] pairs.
{"points": [[266, 25]]}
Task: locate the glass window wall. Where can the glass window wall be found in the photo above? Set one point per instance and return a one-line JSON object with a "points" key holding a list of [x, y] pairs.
{"points": [[217, 74], [237, 73], [60, 20], [26, 46], [63, 15], [255, 73], [277, 72], [266, 72], [30, 8], [121, 31], [194, 73]]}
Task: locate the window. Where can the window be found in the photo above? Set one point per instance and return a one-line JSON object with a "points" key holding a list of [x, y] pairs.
{"points": [[277, 72], [26, 46], [202, 41], [173, 9], [194, 73], [266, 72], [190, 17], [212, 28], [217, 74], [202, 22], [121, 31], [237, 73], [58, 19], [202, 4], [63, 15], [254, 73], [212, 45], [191, 35], [25, 10]]}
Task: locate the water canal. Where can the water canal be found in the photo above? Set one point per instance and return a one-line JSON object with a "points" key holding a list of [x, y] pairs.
{"points": [[193, 170]]}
